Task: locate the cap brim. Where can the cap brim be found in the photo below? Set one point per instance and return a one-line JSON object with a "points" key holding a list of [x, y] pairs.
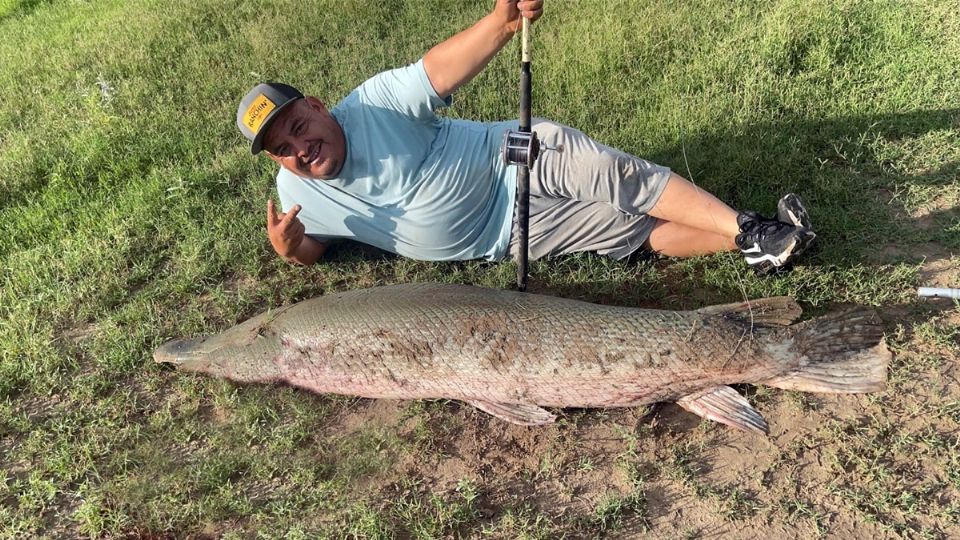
{"points": [[257, 146]]}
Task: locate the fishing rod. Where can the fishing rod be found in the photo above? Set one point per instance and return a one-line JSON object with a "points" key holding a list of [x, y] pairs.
{"points": [[521, 148]]}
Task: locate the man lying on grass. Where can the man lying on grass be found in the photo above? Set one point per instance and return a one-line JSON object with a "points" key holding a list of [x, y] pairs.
{"points": [[382, 168]]}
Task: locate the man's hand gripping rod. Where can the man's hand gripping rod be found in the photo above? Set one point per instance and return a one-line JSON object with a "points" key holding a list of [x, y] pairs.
{"points": [[522, 148]]}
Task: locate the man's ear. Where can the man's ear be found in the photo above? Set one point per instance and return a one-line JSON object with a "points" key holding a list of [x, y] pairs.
{"points": [[273, 157], [279, 161], [315, 103]]}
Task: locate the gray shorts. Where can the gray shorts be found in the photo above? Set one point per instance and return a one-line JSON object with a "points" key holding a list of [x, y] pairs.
{"points": [[589, 197]]}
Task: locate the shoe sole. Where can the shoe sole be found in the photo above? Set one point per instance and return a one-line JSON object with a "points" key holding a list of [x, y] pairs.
{"points": [[768, 263], [790, 209]]}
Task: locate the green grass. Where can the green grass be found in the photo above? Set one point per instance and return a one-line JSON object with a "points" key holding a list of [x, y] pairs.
{"points": [[131, 212]]}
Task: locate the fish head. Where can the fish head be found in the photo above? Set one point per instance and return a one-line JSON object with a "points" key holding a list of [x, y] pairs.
{"points": [[180, 351], [242, 353]]}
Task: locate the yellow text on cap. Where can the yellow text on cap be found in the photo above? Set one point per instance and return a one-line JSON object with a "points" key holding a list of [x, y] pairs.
{"points": [[257, 112]]}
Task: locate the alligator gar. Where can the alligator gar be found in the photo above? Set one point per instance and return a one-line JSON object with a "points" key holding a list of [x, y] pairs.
{"points": [[510, 354]]}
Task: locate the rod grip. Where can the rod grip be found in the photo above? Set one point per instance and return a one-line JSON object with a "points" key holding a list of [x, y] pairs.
{"points": [[525, 97], [525, 40]]}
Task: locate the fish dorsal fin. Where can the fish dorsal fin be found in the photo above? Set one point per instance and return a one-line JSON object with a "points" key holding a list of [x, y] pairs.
{"points": [[524, 415], [725, 405], [774, 311]]}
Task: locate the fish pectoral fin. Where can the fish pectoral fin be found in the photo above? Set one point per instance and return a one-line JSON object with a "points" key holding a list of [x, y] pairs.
{"points": [[725, 405], [524, 415]]}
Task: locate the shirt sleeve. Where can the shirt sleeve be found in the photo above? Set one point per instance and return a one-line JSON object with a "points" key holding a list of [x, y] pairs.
{"points": [[406, 90]]}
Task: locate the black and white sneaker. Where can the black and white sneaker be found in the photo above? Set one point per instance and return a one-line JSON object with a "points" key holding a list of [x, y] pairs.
{"points": [[769, 245], [790, 209]]}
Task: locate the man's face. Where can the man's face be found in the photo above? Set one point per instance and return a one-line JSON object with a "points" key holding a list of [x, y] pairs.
{"points": [[307, 140]]}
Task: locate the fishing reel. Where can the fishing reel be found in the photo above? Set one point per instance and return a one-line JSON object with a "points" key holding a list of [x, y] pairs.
{"points": [[523, 147]]}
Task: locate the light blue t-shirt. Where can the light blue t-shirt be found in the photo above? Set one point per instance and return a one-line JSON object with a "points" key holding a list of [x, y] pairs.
{"points": [[413, 183]]}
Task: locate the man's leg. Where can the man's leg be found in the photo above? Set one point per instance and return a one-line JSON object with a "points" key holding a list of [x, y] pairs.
{"points": [[694, 222], [677, 240], [683, 203], [589, 172], [559, 226]]}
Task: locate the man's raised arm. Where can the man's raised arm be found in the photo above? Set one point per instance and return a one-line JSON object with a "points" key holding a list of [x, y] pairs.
{"points": [[459, 59]]}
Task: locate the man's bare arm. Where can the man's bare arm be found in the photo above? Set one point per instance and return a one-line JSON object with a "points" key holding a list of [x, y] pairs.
{"points": [[459, 59], [308, 252]]}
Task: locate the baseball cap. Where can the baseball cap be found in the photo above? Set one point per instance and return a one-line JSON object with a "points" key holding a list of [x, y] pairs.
{"points": [[260, 107]]}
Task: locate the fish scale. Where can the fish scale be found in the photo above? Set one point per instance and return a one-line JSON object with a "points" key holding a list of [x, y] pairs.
{"points": [[512, 353]]}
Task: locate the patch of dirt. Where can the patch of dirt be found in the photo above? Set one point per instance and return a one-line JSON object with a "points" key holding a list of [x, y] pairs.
{"points": [[79, 333], [923, 253], [38, 408], [941, 272], [362, 414]]}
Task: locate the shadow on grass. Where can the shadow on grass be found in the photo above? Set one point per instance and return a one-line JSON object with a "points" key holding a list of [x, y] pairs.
{"points": [[349, 250], [19, 8], [743, 164], [842, 167]]}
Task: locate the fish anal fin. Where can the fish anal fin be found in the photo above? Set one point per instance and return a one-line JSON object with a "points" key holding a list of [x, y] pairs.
{"points": [[725, 405], [773, 311], [521, 414]]}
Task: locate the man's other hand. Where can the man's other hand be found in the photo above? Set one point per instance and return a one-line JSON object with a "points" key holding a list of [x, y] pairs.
{"points": [[457, 60], [286, 232], [512, 10]]}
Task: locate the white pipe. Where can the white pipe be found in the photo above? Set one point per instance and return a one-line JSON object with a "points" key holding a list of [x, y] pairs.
{"points": [[939, 292]]}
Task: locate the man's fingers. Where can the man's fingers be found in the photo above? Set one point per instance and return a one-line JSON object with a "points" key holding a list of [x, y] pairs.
{"points": [[531, 9], [289, 216], [271, 214]]}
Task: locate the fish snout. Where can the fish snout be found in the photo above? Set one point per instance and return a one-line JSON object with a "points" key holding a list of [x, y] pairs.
{"points": [[178, 351]]}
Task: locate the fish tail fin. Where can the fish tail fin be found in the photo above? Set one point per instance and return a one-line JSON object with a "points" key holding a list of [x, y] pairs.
{"points": [[842, 353]]}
